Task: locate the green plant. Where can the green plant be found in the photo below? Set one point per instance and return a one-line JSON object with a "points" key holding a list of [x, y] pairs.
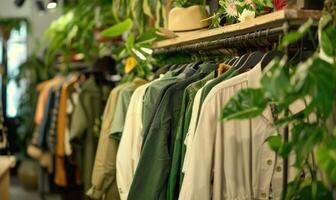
{"points": [[73, 32], [137, 46], [313, 82], [143, 13], [234, 11], [187, 3]]}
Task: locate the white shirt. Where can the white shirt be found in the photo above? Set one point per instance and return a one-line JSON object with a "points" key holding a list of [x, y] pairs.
{"points": [[130, 144], [230, 160]]}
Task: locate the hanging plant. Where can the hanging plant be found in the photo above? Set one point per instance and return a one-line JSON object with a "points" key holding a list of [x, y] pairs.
{"points": [[74, 32], [312, 141], [136, 49]]}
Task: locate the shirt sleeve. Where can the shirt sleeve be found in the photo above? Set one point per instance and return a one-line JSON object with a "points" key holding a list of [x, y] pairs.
{"points": [[118, 123], [104, 171]]}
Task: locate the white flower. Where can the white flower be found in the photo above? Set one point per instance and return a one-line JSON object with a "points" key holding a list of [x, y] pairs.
{"points": [[246, 15], [231, 8]]}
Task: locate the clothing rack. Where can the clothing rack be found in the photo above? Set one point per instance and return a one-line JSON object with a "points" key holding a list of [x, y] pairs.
{"points": [[242, 35], [228, 42], [259, 32]]}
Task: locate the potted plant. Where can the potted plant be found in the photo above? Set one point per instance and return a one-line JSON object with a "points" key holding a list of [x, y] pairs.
{"points": [[312, 129], [233, 11]]}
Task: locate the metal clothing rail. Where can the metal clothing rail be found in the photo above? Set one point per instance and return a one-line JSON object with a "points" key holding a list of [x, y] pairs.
{"points": [[242, 40]]}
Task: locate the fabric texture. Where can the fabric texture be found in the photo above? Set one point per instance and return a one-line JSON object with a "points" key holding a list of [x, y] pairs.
{"points": [[121, 107], [130, 144], [90, 107], [103, 176], [217, 144], [60, 172], [150, 180], [175, 175]]}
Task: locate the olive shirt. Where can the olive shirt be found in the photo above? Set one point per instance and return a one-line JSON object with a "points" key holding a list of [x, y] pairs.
{"points": [[103, 175], [150, 180], [155, 92], [175, 176], [123, 101], [89, 108]]}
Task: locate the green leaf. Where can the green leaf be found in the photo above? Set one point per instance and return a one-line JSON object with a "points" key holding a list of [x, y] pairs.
{"points": [[328, 41], [305, 137], [130, 41], [275, 142], [295, 36], [326, 160], [147, 37], [316, 78], [118, 29], [275, 82], [313, 190], [246, 103]]}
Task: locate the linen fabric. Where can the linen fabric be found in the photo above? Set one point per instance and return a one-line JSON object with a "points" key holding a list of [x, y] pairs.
{"points": [[236, 163], [103, 175], [130, 144]]}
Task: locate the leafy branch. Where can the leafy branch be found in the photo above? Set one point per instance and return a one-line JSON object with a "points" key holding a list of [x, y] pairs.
{"points": [[313, 83]]}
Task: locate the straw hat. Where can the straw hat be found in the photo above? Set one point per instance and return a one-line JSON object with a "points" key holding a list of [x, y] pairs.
{"points": [[188, 19]]}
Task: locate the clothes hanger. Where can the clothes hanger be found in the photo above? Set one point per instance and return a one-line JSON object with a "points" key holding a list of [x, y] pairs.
{"points": [[240, 61], [232, 61], [269, 56], [251, 61]]}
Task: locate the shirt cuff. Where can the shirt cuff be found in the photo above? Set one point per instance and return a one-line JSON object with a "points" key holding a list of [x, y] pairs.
{"points": [[94, 193]]}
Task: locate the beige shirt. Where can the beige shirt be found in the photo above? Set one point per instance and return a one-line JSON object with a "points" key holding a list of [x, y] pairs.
{"points": [[229, 160], [130, 144], [192, 126], [103, 175]]}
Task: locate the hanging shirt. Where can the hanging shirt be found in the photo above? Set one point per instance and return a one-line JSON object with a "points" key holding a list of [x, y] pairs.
{"points": [[60, 172], [72, 101], [236, 161], [89, 108], [130, 143], [191, 128], [123, 101], [51, 140], [150, 180], [179, 148], [103, 179], [154, 94]]}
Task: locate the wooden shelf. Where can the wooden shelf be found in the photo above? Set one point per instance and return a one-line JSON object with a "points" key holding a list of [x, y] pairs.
{"points": [[275, 19]]}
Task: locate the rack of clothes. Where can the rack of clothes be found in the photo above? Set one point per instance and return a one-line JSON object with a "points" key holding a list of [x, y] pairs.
{"points": [[162, 139], [67, 122]]}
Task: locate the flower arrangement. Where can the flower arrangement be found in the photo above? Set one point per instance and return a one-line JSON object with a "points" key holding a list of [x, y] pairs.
{"points": [[234, 11]]}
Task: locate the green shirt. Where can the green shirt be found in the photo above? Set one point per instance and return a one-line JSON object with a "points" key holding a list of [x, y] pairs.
{"points": [[150, 180], [153, 96], [123, 101], [175, 176]]}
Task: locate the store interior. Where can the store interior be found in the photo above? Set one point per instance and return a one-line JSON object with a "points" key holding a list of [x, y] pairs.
{"points": [[167, 99]]}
